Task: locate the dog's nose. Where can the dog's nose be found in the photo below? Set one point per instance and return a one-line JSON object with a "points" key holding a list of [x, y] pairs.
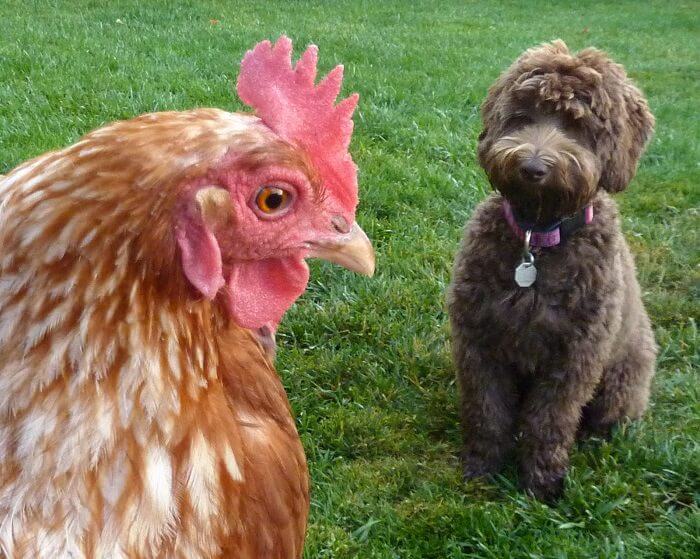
{"points": [[533, 170]]}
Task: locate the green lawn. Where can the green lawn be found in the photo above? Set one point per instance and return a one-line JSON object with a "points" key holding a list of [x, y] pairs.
{"points": [[366, 361]]}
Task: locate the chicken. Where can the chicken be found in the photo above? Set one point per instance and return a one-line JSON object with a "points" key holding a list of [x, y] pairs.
{"points": [[140, 270]]}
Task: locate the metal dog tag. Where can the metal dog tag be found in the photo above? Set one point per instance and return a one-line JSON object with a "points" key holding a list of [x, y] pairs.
{"points": [[526, 273]]}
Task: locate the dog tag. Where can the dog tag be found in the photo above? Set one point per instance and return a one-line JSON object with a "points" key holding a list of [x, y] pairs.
{"points": [[525, 274]]}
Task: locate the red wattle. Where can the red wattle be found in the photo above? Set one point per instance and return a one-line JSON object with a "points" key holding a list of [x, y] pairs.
{"points": [[261, 291]]}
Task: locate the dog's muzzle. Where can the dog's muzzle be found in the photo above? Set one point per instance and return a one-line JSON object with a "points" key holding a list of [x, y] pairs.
{"points": [[533, 170]]}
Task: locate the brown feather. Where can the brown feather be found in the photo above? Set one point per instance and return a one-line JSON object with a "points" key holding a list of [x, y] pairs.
{"points": [[136, 420]]}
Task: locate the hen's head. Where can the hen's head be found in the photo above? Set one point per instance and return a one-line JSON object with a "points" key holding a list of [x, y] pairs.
{"points": [[286, 191]]}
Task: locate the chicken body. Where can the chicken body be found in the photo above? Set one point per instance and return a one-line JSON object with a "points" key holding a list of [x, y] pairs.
{"points": [[136, 420], [140, 416]]}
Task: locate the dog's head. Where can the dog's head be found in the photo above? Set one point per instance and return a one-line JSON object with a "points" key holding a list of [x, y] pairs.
{"points": [[559, 126]]}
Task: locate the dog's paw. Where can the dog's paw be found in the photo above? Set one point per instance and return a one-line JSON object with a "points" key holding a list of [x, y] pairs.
{"points": [[474, 466], [547, 488]]}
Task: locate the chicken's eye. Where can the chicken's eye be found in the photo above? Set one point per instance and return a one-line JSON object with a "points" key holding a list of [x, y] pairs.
{"points": [[272, 199]]}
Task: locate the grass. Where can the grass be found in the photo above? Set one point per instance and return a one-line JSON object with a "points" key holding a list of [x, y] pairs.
{"points": [[366, 362]]}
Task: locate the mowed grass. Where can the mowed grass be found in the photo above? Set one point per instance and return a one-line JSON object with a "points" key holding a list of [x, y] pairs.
{"points": [[366, 361]]}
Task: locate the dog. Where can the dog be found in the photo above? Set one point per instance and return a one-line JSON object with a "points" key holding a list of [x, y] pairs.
{"points": [[549, 333]]}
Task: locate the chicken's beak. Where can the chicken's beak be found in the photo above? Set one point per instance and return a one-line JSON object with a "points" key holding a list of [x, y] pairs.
{"points": [[352, 250]]}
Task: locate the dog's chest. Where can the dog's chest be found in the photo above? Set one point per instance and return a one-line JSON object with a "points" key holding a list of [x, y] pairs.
{"points": [[573, 304], [542, 323]]}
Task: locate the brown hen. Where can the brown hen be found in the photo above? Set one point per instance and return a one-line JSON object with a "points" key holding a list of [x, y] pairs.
{"points": [[140, 270]]}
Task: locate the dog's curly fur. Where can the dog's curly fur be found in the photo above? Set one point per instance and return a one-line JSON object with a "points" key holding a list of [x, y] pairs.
{"points": [[575, 352]]}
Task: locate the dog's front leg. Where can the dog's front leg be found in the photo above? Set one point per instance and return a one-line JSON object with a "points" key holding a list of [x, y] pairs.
{"points": [[489, 410], [549, 420]]}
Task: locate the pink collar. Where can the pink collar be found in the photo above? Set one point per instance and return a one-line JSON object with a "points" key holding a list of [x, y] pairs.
{"points": [[553, 234]]}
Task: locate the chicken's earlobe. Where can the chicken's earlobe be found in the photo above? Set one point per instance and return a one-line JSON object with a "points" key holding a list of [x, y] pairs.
{"points": [[215, 206], [199, 250]]}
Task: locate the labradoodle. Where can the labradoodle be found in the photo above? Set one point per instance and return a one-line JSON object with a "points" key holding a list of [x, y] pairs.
{"points": [[550, 335]]}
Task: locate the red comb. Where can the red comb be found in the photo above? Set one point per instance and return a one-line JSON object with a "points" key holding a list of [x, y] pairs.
{"points": [[303, 113]]}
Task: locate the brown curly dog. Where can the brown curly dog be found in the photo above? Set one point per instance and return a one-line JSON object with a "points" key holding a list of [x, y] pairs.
{"points": [[564, 345]]}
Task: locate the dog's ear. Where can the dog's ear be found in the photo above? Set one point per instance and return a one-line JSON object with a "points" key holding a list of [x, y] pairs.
{"points": [[485, 141], [483, 146], [624, 138], [490, 114]]}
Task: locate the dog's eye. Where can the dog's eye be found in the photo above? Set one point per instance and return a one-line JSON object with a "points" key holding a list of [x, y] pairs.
{"points": [[482, 135]]}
